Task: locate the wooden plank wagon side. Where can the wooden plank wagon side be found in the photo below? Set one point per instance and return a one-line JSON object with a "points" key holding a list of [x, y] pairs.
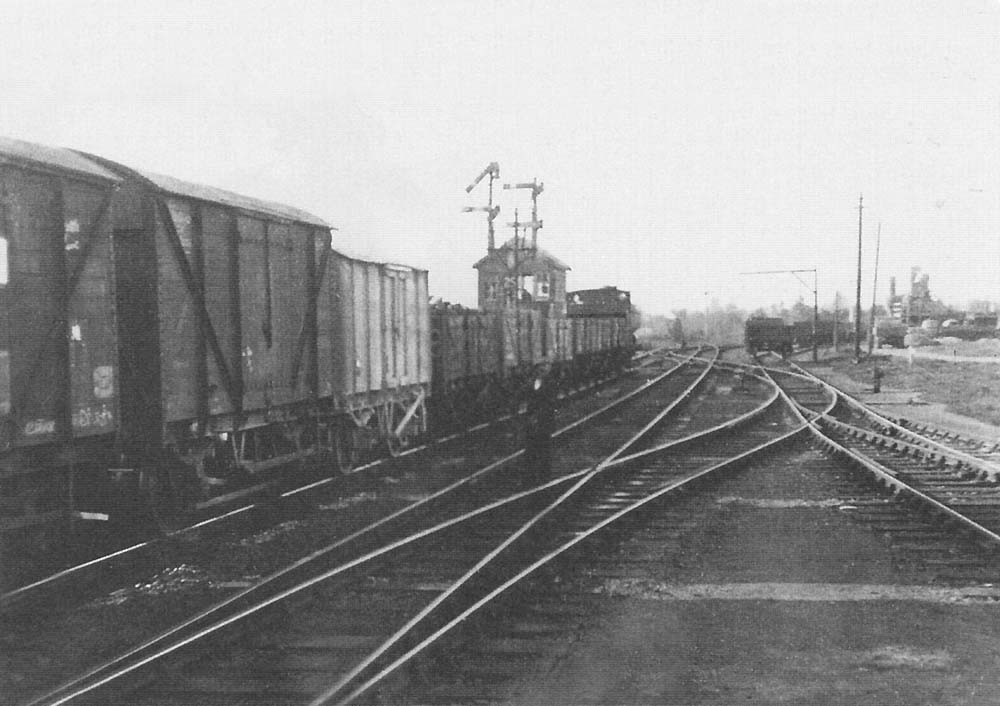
{"points": [[216, 307], [375, 342], [59, 391]]}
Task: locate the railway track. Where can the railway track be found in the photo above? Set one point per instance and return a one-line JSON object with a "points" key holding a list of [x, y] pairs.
{"points": [[752, 587], [981, 454], [661, 558], [482, 596], [608, 500], [961, 488], [382, 531]]}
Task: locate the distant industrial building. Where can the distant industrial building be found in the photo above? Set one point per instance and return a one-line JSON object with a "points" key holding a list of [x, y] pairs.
{"points": [[917, 305]]}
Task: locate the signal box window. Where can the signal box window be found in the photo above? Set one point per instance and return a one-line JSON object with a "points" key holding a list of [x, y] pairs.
{"points": [[542, 286]]}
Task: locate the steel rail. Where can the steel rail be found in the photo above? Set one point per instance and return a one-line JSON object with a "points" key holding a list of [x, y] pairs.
{"points": [[158, 647], [926, 450], [673, 486], [874, 436], [487, 559], [656, 420], [991, 469], [917, 442], [890, 479], [161, 645]]}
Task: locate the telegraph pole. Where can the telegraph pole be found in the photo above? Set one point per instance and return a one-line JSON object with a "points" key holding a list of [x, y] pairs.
{"points": [[857, 304], [836, 322], [871, 338], [815, 314]]}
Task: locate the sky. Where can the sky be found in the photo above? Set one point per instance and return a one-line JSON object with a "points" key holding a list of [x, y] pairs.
{"points": [[680, 143]]}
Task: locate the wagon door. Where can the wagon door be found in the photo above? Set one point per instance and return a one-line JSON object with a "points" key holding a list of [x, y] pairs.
{"points": [[139, 354]]}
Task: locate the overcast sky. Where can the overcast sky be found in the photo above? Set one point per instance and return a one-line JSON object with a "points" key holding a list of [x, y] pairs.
{"points": [[680, 143]]}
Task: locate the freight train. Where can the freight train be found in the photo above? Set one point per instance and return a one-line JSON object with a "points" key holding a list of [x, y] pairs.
{"points": [[164, 346]]}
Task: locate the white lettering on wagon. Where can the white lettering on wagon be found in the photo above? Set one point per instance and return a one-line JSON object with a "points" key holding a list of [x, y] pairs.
{"points": [[72, 234], [92, 417], [34, 427], [104, 382]]}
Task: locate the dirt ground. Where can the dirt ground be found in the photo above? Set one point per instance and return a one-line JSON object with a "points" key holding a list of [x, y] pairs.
{"points": [[958, 393], [779, 597]]}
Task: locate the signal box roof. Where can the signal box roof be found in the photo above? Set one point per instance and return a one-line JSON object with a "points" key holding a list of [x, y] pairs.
{"points": [[526, 256]]}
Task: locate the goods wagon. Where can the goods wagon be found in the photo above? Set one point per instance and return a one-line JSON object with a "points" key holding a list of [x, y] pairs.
{"points": [[217, 331], [964, 332], [890, 332], [374, 341], [483, 361], [768, 334], [802, 333], [611, 342], [606, 301], [272, 346], [600, 344]]}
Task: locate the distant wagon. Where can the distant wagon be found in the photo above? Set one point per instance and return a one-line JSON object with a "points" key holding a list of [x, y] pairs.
{"points": [[768, 334], [890, 332], [605, 301]]}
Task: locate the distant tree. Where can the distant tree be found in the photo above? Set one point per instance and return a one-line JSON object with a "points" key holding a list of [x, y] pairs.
{"points": [[655, 324], [779, 311], [801, 311]]}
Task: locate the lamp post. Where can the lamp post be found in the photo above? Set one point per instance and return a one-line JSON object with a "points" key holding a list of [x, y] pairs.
{"points": [[857, 304]]}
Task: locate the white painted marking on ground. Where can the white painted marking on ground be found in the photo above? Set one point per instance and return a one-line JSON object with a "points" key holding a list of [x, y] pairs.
{"points": [[101, 516], [816, 592], [781, 503], [907, 657]]}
